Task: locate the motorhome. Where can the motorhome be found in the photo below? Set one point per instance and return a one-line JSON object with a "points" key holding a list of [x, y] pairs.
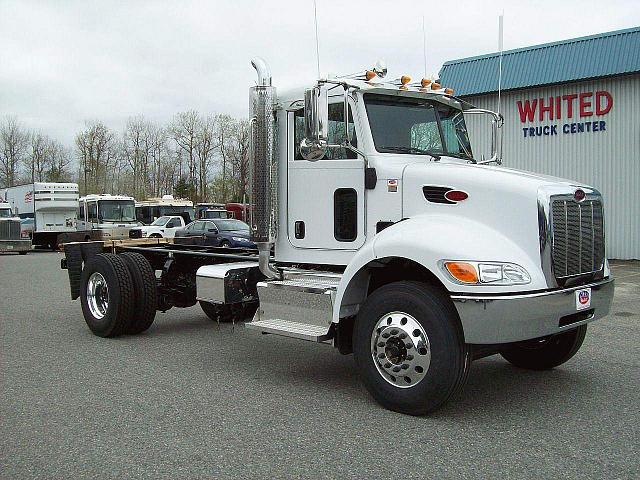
{"points": [[105, 217], [150, 210]]}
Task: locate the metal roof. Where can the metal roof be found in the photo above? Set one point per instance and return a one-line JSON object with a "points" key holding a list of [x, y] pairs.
{"points": [[601, 55]]}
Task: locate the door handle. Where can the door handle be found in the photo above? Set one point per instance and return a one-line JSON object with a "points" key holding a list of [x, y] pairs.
{"points": [[299, 229]]}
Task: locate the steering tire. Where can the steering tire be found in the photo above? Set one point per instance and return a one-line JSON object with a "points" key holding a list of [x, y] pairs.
{"points": [[409, 347], [146, 296], [225, 244], [107, 295], [545, 353]]}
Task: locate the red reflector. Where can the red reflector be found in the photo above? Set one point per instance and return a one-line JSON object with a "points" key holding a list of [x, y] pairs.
{"points": [[456, 195], [579, 195]]}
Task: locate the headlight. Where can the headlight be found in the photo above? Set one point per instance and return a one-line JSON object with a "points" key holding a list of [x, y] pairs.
{"points": [[485, 273], [239, 239]]}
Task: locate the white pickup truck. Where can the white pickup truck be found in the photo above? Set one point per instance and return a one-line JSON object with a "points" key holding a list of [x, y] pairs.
{"points": [[163, 227]]}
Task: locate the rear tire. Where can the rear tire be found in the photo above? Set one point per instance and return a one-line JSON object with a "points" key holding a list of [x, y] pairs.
{"points": [[225, 244], [146, 296], [409, 347], [545, 353], [107, 295]]}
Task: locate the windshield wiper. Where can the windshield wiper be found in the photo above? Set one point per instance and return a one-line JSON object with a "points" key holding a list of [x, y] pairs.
{"points": [[396, 148]]}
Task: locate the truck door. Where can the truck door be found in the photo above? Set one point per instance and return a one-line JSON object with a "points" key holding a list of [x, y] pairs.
{"points": [[325, 198]]}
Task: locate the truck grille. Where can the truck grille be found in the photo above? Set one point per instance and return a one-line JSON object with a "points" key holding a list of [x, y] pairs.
{"points": [[9, 230], [578, 237]]}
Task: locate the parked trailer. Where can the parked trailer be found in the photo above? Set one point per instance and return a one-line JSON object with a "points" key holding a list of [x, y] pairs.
{"points": [[53, 207], [380, 233]]}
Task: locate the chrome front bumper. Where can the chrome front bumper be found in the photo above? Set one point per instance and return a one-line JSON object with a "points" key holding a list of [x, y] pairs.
{"points": [[15, 245], [490, 319]]}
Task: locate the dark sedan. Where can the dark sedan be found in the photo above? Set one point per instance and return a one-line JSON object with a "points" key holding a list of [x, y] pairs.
{"points": [[216, 233]]}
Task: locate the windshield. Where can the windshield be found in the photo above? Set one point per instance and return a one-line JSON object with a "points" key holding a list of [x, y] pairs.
{"points": [[161, 221], [174, 210], [117, 211], [5, 213], [231, 225], [417, 126]]}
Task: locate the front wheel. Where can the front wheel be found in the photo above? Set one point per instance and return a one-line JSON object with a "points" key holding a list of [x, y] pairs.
{"points": [[409, 348], [545, 353]]}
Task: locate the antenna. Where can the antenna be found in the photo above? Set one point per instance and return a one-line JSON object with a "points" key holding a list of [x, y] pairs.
{"points": [[315, 21], [500, 47], [424, 47]]}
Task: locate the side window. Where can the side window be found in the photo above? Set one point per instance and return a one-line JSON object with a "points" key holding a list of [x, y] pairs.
{"points": [[454, 131], [92, 211], [335, 130], [345, 214]]}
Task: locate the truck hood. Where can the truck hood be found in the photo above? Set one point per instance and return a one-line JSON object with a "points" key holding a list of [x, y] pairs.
{"points": [[502, 203]]}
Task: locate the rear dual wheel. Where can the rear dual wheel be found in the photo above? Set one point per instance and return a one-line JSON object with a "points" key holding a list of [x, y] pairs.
{"points": [[118, 294]]}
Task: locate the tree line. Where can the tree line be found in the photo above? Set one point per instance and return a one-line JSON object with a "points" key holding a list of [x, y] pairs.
{"points": [[194, 156]]}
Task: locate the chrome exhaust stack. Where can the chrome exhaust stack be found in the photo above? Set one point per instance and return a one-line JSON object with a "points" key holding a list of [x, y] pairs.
{"points": [[263, 169]]}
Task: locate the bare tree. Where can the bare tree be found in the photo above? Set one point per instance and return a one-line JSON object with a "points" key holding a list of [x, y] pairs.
{"points": [[14, 143], [94, 146], [58, 160], [184, 130], [205, 148]]}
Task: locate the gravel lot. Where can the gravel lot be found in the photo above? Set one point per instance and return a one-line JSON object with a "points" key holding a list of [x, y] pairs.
{"points": [[186, 400]]}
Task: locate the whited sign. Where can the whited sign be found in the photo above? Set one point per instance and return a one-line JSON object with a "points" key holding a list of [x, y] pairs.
{"points": [[571, 114]]}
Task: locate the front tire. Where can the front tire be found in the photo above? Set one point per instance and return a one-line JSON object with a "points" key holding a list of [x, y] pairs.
{"points": [[107, 295], [545, 353], [409, 347]]}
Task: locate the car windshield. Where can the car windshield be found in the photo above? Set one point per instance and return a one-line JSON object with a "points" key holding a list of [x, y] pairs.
{"points": [[161, 221], [5, 213], [117, 211], [417, 126], [231, 225]]}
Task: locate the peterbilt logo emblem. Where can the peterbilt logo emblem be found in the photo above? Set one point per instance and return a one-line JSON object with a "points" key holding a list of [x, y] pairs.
{"points": [[579, 195]]}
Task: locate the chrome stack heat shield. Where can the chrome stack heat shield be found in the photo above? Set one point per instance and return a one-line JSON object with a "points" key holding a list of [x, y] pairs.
{"points": [[263, 171]]}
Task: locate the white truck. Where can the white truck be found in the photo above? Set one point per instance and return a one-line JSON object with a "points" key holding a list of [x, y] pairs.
{"points": [[11, 239], [53, 207], [380, 233], [163, 227]]}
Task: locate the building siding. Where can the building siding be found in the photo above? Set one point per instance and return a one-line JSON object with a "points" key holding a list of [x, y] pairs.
{"points": [[607, 160]]}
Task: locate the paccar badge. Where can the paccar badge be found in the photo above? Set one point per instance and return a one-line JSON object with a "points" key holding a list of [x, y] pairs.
{"points": [[579, 195]]}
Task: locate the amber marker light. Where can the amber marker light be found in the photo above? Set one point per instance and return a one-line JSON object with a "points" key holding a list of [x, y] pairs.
{"points": [[404, 79], [369, 74], [462, 271], [448, 91], [425, 82], [435, 86]]}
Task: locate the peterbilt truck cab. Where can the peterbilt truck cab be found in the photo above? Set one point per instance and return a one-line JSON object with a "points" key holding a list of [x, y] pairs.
{"points": [[380, 232]]}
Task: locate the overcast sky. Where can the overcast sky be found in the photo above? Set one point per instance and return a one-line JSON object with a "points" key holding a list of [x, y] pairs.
{"points": [[64, 62]]}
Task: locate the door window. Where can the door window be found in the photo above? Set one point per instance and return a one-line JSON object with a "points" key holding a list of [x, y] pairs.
{"points": [[345, 214], [335, 130]]}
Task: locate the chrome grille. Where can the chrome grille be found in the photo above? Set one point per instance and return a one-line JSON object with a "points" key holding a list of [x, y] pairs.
{"points": [[578, 237], [9, 230]]}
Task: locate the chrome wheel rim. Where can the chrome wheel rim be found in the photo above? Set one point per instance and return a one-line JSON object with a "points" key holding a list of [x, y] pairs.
{"points": [[97, 295], [400, 349]]}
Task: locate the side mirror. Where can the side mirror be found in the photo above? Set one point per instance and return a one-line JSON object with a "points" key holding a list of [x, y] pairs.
{"points": [[316, 118], [497, 121]]}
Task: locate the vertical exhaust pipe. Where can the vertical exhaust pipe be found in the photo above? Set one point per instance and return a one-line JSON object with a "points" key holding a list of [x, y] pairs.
{"points": [[263, 169]]}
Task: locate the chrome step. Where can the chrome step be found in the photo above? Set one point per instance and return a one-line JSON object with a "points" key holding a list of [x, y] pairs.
{"points": [[288, 328], [300, 305]]}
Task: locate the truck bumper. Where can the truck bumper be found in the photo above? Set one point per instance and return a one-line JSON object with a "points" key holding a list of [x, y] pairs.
{"points": [[491, 319], [15, 245]]}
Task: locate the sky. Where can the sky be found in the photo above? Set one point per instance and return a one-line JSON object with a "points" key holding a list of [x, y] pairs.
{"points": [[66, 62]]}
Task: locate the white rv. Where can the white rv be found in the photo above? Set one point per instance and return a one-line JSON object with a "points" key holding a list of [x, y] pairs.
{"points": [[53, 207], [106, 217]]}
